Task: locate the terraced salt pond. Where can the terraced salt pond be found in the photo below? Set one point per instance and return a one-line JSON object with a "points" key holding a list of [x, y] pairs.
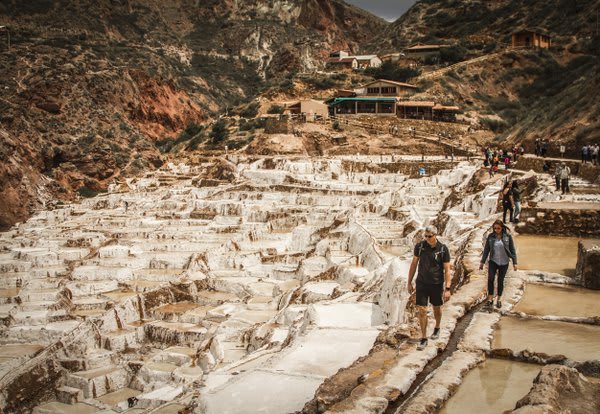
{"points": [[574, 340], [492, 387], [548, 253], [248, 297], [558, 300]]}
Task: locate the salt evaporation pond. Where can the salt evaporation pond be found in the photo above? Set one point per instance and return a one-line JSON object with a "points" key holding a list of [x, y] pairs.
{"points": [[548, 253], [576, 341], [559, 301], [493, 387]]}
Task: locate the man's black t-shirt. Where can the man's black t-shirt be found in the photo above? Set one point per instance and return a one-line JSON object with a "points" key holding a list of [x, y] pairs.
{"points": [[431, 262]]}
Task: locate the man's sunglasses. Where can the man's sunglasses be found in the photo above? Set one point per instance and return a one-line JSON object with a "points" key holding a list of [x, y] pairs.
{"points": [[429, 236]]}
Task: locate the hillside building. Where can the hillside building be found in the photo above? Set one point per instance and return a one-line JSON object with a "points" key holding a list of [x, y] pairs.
{"points": [[345, 63], [530, 39], [421, 52], [311, 109], [368, 61], [383, 87], [344, 60], [375, 98], [426, 110]]}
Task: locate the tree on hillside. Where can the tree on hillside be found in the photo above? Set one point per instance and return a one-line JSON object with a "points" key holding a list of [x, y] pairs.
{"points": [[452, 54], [219, 132], [391, 71]]}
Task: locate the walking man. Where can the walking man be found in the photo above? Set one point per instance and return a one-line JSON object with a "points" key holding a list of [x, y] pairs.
{"points": [[433, 280], [557, 169], [564, 177], [562, 150]]}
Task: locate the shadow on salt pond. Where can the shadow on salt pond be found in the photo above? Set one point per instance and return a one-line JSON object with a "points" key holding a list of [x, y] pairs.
{"points": [[547, 253], [493, 387]]}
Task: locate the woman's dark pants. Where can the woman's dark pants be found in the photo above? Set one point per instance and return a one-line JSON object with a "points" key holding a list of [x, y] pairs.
{"points": [[507, 207], [501, 270]]}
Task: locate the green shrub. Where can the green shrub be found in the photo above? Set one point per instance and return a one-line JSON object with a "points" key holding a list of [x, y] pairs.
{"points": [[251, 110], [391, 71], [87, 192], [495, 125], [190, 131], [275, 109], [286, 85], [219, 132], [452, 54], [323, 82]]}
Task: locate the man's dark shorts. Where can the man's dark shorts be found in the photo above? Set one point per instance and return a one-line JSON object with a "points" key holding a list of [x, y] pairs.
{"points": [[429, 293]]}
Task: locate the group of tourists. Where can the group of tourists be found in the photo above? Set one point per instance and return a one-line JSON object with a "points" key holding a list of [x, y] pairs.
{"points": [[431, 258], [492, 158], [434, 282], [590, 153]]}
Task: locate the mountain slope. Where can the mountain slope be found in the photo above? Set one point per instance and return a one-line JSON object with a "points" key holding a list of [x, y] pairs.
{"points": [[90, 87], [478, 23]]}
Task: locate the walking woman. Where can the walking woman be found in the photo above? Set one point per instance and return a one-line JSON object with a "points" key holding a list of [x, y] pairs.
{"points": [[500, 247], [506, 198]]}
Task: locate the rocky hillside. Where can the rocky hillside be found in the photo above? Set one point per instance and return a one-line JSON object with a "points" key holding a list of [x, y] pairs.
{"points": [[520, 95], [487, 25], [91, 89]]}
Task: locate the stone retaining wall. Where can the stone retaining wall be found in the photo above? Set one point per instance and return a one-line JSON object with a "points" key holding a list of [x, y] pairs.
{"points": [[588, 264], [578, 223]]}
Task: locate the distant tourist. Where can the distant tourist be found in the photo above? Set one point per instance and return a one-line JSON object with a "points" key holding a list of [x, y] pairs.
{"points": [[557, 175], [500, 248], [506, 199], [516, 196], [584, 154], [544, 147], [565, 172], [546, 166], [433, 280], [537, 147], [594, 152], [506, 162], [562, 150]]}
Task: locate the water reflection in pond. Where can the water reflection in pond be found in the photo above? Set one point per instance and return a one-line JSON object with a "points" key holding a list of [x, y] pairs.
{"points": [[574, 340], [493, 387], [559, 301]]}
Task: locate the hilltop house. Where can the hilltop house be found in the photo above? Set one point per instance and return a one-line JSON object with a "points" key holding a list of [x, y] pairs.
{"points": [[530, 39]]}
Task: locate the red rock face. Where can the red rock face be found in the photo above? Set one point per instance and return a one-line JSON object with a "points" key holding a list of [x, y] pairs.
{"points": [[161, 110]]}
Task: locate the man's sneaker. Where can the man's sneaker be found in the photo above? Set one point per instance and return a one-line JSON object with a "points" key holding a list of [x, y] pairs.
{"points": [[422, 344], [435, 334], [499, 304]]}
